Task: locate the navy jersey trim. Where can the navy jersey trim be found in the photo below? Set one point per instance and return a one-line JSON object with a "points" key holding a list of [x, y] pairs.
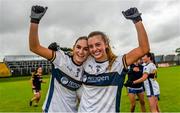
{"points": [[124, 61], [151, 87], [151, 75], [51, 91], [119, 91], [105, 79], [74, 61], [118, 99], [53, 56], [101, 61], [66, 80]]}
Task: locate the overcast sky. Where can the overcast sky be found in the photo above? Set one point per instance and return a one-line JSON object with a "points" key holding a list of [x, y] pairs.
{"points": [[65, 20]]}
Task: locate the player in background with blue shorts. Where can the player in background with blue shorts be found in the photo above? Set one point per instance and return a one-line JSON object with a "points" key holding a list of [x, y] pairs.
{"points": [[135, 71], [151, 85]]}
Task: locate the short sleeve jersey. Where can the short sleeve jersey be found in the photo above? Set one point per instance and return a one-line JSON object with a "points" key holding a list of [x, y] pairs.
{"points": [[65, 82], [149, 68], [150, 84], [101, 86]]}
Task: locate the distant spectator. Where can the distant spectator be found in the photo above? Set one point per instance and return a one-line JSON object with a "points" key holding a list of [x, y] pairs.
{"points": [[36, 81]]}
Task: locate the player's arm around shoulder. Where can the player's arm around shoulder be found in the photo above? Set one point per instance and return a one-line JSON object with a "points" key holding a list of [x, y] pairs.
{"points": [[146, 71], [142, 79], [143, 48]]}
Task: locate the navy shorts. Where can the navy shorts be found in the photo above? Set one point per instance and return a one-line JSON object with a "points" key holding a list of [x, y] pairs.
{"points": [[154, 95], [35, 91], [135, 90]]}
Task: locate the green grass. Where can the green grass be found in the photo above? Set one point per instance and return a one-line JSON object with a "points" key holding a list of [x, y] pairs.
{"points": [[169, 81], [16, 92]]}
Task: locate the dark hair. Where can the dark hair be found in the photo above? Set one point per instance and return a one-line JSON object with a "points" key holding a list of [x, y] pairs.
{"points": [[152, 57], [81, 38], [111, 56], [35, 70]]}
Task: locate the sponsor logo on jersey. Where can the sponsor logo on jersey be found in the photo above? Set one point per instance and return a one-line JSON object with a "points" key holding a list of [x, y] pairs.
{"points": [[84, 78], [64, 80], [73, 84], [94, 79]]}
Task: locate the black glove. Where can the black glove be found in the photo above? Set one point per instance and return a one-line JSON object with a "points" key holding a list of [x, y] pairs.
{"points": [[54, 46], [132, 14], [128, 83], [37, 13]]}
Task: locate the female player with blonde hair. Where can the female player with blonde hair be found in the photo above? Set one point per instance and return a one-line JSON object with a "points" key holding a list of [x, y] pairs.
{"points": [[104, 71]]}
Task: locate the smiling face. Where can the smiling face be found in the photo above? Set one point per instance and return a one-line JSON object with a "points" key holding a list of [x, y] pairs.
{"points": [[80, 51], [146, 59], [97, 48]]}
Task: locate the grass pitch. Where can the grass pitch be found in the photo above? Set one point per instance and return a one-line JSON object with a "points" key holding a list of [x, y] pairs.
{"points": [[169, 81], [16, 92]]}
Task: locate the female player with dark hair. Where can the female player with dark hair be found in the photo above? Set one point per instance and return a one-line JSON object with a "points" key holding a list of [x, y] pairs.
{"points": [[104, 71], [135, 71], [67, 70], [150, 83], [36, 81]]}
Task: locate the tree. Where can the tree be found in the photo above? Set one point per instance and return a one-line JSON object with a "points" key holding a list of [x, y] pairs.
{"points": [[178, 55], [178, 51]]}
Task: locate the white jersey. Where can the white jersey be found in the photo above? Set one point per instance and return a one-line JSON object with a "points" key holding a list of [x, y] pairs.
{"points": [[102, 88], [150, 84], [65, 81]]}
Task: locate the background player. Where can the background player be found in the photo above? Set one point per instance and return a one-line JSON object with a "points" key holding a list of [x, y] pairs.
{"points": [[150, 83], [135, 71], [36, 81]]}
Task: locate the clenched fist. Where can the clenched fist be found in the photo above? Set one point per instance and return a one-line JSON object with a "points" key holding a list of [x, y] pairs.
{"points": [[37, 13]]}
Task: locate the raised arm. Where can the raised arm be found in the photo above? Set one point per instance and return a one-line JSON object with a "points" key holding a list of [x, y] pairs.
{"points": [[36, 14], [143, 47]]}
